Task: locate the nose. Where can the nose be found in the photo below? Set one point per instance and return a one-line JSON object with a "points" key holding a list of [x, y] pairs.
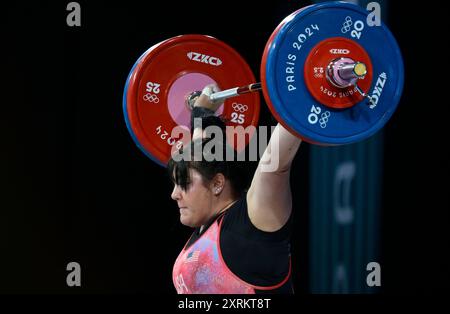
{"points": [[176, 193]]}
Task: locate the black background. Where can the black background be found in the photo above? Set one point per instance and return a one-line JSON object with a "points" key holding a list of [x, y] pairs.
{"points": [[74, 187]]}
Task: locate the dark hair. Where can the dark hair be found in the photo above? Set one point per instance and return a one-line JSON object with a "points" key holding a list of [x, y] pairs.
{"points": [[234, 171]]}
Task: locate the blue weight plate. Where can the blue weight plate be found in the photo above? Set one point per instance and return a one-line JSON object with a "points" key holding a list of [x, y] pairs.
{"points": [[282, 71]]}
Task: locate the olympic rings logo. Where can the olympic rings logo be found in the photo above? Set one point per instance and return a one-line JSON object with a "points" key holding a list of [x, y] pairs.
{"points": [[324, 119], [239, 107], [151, 98], [346, 25]]}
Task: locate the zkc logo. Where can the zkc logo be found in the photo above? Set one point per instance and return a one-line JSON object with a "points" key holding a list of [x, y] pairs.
{"points": [[199, 57], [340, 51]]}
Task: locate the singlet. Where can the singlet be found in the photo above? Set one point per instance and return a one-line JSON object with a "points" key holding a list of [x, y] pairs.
{"points": [[232, 256]]}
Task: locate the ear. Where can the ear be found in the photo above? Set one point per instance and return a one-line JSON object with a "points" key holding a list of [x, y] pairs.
{"points": [[218, 183]]}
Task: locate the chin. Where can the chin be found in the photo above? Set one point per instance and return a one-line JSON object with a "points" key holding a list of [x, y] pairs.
{"points": [[190, 224], [187, 222]]}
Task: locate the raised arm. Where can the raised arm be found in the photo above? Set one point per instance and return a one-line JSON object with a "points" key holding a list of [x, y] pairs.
{"points": [[269, 198]]}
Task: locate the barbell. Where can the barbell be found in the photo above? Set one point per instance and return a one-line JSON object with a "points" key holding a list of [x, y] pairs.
{"points": [[326, 75]]}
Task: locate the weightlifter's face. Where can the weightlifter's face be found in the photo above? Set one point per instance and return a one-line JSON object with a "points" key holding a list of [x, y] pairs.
{"points": [[195, 203]]}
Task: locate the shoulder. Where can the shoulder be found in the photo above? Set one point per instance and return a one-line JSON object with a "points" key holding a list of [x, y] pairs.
{"points": [[237, 221]]}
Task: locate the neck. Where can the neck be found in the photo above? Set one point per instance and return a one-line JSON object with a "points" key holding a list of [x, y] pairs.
{"points": [[222, 206], [227, 204]]}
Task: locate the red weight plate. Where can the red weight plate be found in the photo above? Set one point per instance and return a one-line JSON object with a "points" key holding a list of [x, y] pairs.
{"points": [[167, 73]]}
